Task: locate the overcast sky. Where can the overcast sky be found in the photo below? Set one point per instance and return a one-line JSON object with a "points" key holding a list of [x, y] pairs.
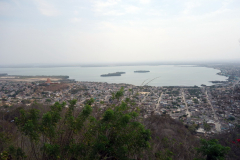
{"points": [[91, 31]]}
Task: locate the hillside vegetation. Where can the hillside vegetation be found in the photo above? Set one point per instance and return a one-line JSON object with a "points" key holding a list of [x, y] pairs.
{"points": [[116, 132]]}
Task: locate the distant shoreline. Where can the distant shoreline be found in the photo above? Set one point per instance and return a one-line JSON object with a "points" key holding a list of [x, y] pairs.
{"points": [[107, 65], [19, 78]]}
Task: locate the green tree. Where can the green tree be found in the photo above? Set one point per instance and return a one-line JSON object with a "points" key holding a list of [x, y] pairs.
{"points": [[48, 100], [195, 101], [90, 101], [192, 128], [206, 127], [119, 93], [5, 139], [231, 118], [212, 149]]}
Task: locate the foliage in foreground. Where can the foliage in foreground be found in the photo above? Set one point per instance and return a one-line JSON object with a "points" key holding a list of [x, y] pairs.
{"points": [[66, 133], [212, 149]]}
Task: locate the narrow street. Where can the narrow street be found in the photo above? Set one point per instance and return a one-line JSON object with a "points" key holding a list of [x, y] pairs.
{"points": [[187, 111], [159, 100], [218, 125], [145, 97]]}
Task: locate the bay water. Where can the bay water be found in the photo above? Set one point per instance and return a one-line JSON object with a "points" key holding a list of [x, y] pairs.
{"points": [[161, 75]]}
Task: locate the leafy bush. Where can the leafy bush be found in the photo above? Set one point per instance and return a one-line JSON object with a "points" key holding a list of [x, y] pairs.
{"points": [[212, 149]]}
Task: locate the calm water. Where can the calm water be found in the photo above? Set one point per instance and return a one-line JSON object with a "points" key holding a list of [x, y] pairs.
{"points": [[168, 75]]}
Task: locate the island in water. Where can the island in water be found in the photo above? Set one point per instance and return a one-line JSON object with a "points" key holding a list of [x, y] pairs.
{"points": [[113, 74], [141, 71]]}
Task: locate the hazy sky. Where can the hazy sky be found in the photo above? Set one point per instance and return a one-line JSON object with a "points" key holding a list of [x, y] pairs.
{"points": [[89, 31]]}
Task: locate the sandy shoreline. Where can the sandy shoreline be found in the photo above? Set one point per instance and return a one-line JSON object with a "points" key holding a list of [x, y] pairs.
{"points": [[13, 79]]}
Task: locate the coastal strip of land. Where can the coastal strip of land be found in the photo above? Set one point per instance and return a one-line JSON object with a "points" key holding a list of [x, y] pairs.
{"points": [[22, 78]]}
